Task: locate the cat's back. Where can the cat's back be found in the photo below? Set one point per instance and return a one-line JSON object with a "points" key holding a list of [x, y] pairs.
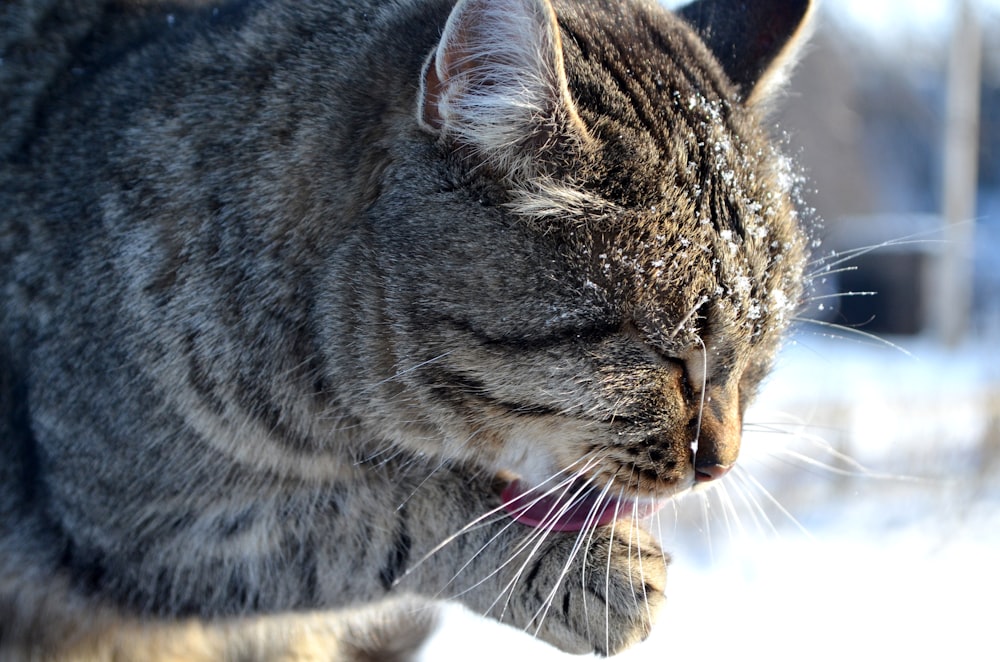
{"points": [[53, 52], [112, 108]]}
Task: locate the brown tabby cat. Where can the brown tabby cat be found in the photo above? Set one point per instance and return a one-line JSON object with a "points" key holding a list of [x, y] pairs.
{"points": [[314, 311]]}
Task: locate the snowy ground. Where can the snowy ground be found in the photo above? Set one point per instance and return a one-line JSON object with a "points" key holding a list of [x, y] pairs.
{"points": [[886, 543]]}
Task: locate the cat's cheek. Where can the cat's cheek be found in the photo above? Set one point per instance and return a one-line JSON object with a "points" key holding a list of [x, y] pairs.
{"points": [[527, 459]]}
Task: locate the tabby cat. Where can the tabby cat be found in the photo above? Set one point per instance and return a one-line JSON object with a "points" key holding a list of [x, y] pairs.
{"points": [[317, 311]]}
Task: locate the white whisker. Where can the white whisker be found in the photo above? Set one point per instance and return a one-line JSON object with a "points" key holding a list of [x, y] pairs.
{"points": [[839, 295], [841, 257], [534, 540], [658, 518], [411, 369], [607, 585], [642, 572], [752, 505], [707, 524], [774, 502], [825, 273], [583, 579], [729, 510], [691, 313], [591, 518], [541, 533], [704, 387], [857, 332], [482, 519]]}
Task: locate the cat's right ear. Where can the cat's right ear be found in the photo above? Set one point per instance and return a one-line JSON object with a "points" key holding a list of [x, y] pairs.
{"points": [[757, 43], [496, 83]]}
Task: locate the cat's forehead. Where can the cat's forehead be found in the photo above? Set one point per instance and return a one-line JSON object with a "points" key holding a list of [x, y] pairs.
{"points": [[647, 88], [660, 111], [682, 280]]}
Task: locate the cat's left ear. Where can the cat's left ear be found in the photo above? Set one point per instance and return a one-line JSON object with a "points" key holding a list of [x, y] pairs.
{"points": [[757, 42], [496, 83]]}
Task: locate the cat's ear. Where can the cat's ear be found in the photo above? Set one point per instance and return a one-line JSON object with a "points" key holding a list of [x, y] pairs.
{"points": [[756, 42], [496, 83]]}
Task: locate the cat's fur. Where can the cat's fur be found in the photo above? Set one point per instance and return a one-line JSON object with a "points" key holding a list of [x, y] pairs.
{"points": [[291, 288]]}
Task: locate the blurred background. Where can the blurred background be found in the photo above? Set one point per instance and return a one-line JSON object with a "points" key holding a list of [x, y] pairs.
{"points": [[864, 522]]}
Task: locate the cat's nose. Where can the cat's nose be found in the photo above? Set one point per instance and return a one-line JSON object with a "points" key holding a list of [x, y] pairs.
{"points": [[704, 473]]}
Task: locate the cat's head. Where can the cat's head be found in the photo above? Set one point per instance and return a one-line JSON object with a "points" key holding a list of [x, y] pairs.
{"points": [[605, 278]]}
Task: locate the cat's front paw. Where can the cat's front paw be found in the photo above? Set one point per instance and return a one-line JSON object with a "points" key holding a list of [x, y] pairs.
{"points": [[597, 594]]}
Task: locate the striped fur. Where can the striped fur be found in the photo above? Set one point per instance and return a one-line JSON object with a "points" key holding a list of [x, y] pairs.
{"points": [[291, 291]]}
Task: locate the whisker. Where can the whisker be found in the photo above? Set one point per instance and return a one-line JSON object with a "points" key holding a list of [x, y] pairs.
{"points": [[839, 295], [763, 523], [730, 510], [588, 524], [753, 506], [634, 526], [382, 456], [543, 532], [583, 580], [841, 257], [535, 539], [423, 482], [412, 368], [448, 540], [481, 519], [658, 518], [631, 537], [607, 584], [707, 524], [857, 332], [825, 273], [774, 502], [691, 313], [704, 387], [854, 468]]}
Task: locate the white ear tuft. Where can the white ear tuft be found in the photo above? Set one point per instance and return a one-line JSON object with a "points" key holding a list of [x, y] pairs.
{"points": [[776, 77], [496, 80]]}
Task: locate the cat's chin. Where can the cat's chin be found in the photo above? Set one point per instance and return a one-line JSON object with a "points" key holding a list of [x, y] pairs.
{"points": [[573, 505]]}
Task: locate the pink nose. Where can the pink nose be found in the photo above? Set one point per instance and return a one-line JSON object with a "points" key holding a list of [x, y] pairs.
{"points": [[704, 473]]}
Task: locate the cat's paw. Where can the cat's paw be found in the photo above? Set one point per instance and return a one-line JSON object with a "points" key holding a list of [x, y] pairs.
{"points": [[600, 596]]}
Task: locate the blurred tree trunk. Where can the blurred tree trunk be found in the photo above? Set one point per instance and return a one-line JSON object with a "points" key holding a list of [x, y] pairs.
{"points": [[952, 286]]}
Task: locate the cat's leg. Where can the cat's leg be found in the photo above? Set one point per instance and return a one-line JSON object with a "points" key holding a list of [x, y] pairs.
{"points": [[390, 631]]}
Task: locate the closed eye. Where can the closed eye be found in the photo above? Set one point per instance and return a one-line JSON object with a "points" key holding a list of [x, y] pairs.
{"points": [[457, 388], [529, 339]]}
